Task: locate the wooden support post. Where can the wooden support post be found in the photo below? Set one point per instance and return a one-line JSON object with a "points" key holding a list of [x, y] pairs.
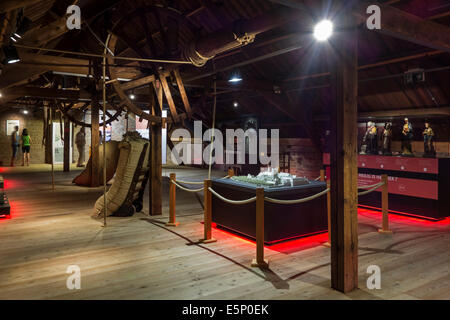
{"points": [[48, 131], [322, 175], [172, 202], [67, 142], [156, 170], [328, 243], [385, 205], [52, 160], [155, 161], [260, 261], [207, 212], [230, 172], [95, 143], [344, 156]]}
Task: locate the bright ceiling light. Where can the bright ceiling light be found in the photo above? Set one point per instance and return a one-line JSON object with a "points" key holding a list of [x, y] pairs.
{"points": [[11, 55], [235, 104], [323, 30], [235, 79], [132, 96], [25, 111]]}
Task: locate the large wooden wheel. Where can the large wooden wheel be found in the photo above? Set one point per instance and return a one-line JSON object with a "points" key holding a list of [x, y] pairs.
{"points": [[166, 20], [69, 112]]}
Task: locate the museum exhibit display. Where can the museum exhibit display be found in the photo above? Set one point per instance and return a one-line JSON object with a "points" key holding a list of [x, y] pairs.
{"points": [[290, 222], [428, 141], [407, 136], [5, 207], [418, 187], [214, 156], [387, 139]]}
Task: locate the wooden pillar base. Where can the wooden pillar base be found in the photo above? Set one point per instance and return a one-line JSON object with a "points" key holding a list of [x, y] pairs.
{"points": [[256, 264], [207, 240], [171, 224], [385, 231]]}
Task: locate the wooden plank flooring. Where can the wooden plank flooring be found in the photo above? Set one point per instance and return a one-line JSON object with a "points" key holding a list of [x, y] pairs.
{"points": [[140, 258]]}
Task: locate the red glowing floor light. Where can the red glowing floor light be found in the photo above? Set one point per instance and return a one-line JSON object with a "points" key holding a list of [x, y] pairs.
{"points": [[407, 214], [318, 238]]}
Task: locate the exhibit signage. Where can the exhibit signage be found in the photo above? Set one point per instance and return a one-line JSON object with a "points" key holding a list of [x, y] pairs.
{"points": [[10, 124]]}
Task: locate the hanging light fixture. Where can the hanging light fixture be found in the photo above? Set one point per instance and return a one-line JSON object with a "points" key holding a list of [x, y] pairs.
{"points": [[235, 77], [235, 104], [11, 55]]}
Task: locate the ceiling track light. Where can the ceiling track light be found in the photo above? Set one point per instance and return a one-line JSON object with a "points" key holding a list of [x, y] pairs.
{"points": [[11, 55]]}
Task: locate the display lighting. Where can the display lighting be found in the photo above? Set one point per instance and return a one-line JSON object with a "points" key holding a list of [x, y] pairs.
{"points": [[235, 104], [323, 30], [132, 96]]}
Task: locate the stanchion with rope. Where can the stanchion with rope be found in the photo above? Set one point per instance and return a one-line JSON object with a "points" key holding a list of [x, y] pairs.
{"points": [[172, 201], [385, 205], [323, 178], [207, 224], [230, 173], [259, 261]]}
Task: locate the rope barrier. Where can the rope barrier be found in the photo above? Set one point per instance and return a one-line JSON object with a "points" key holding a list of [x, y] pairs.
{"points": [[278, 201], [186, 189], [190, 182], [375, 187], [368, 187], [231, 201], [198, 182], [317, 179]]}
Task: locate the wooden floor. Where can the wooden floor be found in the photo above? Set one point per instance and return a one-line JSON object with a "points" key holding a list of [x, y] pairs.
{"points": [[140, 258]]}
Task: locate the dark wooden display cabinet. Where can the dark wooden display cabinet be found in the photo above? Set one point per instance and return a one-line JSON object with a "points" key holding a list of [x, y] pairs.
{"points": [[282, 222]]}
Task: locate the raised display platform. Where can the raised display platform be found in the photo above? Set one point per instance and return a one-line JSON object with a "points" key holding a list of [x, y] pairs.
{"points": [[5, 208], [418, 187], [282, 222]]}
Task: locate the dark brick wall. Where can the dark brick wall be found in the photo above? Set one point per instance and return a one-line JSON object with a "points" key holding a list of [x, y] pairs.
{"points": [[306, 159]]}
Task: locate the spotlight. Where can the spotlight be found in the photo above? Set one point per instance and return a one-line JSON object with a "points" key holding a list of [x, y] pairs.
{"points": [[323, 30], [11, 55], [235, 104], [235, 76], [132, 96], [25, 111]]}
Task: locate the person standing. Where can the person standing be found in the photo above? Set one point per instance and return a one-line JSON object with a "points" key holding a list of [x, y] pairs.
{"points": [[14, 144], [80, 141], [26, 145]]}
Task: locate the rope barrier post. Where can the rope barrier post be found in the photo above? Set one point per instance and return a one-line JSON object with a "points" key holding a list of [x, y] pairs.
{"points": [[385, 205], [172, 201], [328, 243], [230, 173], [260, 261], [207, 202], [322, 175]]}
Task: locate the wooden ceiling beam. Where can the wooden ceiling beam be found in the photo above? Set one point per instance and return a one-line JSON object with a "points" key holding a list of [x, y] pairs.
{"points": [[402, 25], [45, 93], [183, 94], [9, 5]]}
